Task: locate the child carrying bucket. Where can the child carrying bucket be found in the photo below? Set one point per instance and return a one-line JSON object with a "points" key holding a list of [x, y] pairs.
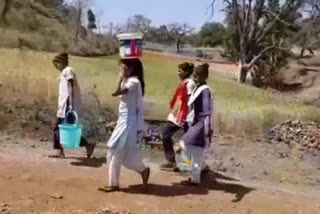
{"points": [[123, 147], [198, 137], [69, 101]]}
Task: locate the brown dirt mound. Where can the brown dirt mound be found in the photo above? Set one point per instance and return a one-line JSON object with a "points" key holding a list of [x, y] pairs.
{"points": [[302, 80]]}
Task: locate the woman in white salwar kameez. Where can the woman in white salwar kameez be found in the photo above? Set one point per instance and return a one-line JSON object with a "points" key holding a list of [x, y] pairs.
{"points": [[123, 147]]}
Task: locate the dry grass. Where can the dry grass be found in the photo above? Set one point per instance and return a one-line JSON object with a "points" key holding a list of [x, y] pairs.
{"points": [[239, 109]]}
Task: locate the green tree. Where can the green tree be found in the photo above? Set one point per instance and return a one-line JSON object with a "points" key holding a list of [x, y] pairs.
{"points": [[211, 34], [91, 20], [309, 28]]}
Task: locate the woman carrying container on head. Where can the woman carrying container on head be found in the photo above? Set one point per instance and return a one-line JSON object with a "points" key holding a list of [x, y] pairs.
{"points": [[179, 112], [123, 147], [69, 100], [198, 137]]}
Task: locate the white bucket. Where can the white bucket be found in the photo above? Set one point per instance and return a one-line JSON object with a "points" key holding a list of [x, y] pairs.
{"points": [[130, 45]]}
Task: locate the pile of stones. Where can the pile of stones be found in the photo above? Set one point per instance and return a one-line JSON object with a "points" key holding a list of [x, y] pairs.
{"points": [[306, 134]]}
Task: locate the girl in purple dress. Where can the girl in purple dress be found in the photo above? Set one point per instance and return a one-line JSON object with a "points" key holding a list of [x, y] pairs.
{"points": [[198, 137]]}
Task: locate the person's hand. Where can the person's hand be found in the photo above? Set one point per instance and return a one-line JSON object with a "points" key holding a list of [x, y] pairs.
{"points": [[70, 108], [121, 72], [209, 135]]}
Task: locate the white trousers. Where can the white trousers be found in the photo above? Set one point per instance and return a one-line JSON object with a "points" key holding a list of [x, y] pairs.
{"points": [[129, 156], [197, 160]]}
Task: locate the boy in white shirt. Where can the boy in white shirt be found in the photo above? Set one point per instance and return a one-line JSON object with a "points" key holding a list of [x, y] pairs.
{"points": [[69, 100]]}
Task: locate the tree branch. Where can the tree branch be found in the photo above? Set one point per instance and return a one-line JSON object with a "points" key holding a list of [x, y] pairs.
{"points": [[264, 32], [256, 58], [244, 12], [248, 15], [277, 17], [258, 8]]}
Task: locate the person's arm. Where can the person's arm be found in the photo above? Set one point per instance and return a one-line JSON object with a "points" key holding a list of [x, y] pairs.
{"points": [[208, 126], [208, 111], [71, 94], [119, 89]]}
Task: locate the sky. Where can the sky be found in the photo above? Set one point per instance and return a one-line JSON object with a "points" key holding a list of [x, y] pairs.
{"points": [[193, 12]]}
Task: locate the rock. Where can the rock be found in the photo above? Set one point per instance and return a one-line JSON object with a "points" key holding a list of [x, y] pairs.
{"points": [[1, 84], [43, 139], [5, 211], [222, 169], [274, 141], [4, 205], [239, 165], [296, 132], [249, 211], [56, 196], [105, 210], [26, 177], [33, 146], [254, 177], [283, 155], [265, 173]]}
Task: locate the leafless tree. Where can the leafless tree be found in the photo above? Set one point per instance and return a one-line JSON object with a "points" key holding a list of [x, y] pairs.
{"points": [[81, 6], [138, 23], [178, 32], [254, 22]]}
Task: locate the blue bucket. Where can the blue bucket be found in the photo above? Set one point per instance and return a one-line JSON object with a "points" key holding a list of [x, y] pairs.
{"points": [[70, 134]]}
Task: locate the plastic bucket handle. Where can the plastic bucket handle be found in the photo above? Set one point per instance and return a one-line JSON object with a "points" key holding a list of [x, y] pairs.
{"points": [[76, 118]]}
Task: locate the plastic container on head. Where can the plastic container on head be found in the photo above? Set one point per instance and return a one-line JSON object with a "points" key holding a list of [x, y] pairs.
{"points": [[130, 45]]}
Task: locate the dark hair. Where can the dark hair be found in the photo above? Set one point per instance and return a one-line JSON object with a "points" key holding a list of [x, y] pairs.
{"points": [[137, 70], [187, 67], [62, 58], [203, 70]]}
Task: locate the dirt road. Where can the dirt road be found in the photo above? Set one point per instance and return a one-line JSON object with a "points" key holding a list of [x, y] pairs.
{"points": [[32, 182]]}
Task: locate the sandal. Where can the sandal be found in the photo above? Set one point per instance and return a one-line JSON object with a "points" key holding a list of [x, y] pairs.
{"points": [[60, 154], [145, 176], [188, 183], [108, 189]]}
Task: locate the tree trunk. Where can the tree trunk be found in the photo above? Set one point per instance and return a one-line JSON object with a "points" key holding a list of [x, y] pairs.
{"points": [[302, 52], [178, 45], [6, 8], [242, 73], [78, 23]]}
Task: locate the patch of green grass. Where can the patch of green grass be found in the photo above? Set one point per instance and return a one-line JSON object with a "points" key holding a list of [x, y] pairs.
{"points": [[239, 109]]}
